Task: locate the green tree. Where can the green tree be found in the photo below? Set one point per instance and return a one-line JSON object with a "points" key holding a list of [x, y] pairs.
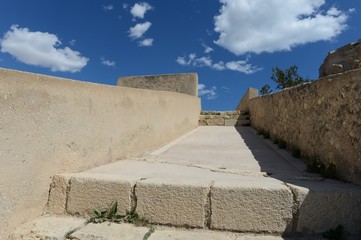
{"points": [[266, 89], [287, 78]]}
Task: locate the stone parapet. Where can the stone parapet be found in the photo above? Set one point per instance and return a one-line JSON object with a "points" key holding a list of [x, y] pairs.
{"points": [[321, 120]]}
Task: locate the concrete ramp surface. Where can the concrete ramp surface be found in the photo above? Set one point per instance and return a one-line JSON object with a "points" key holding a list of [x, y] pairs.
{"points": [[215, 178]]}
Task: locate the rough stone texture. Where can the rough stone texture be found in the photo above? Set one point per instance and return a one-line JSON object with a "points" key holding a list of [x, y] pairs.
{"points": [[58, 194], [93, 191], [252, 205], [343, 59], [181, 234], [226, 118], [51, 227], [67, 126], [186, 83], [325, 205], [176, 202], [322, 118], [243, 105], [109, 231]]}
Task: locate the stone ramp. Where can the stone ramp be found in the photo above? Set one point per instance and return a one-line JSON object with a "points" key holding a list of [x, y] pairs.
{"points": [[216, 178]]}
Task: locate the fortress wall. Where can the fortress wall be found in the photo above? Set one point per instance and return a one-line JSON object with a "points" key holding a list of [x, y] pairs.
{"points": [[50, 125], [322, 118], [186, 83]]}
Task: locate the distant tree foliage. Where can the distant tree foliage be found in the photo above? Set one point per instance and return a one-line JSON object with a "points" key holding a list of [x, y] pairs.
{"points": [[266, 89], [287, 78]]}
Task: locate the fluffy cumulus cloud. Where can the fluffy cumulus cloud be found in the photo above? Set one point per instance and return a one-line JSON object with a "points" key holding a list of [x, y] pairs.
{"points": [[139, 9], [41, 49], [139, 29], [107, 62], [147, 42], [208, 93], [275, 25], [242, 66]]}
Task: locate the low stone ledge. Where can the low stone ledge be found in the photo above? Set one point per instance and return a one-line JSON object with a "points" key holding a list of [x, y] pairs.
{"points": [[324, 205], [173, 202], [97, 191], [252, 205]]}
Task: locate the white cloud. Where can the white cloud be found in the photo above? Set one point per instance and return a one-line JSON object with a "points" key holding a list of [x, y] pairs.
{"points": [[275, 25], [210, 93], [139, 29], [125, 6], [207, 49], [139, 9], [146, 42], [108, 7], [242, 66], [41, 49], [107, 62]]}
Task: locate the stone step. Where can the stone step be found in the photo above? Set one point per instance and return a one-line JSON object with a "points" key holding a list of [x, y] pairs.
{"points": [[215, 179], [199, 198], [226, 118], [61, 228]]}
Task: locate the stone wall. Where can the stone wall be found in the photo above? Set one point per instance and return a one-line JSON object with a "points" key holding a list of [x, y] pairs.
{"points": [[50, 125], [186, 83], [243, 105], [226, 118], [321, 119]]}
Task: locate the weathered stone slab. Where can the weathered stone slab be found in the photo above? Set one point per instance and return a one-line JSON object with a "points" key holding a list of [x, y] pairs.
{"points": [[252, 205], [215, 122], [109, 231], [176, 202], [97, 191], [52, 227], [325, 205]]}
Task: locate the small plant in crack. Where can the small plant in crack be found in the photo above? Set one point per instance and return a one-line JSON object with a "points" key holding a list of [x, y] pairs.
{"points": [[111, 215]]}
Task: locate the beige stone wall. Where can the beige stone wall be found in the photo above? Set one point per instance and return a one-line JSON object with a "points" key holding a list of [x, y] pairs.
{"points": [[50, 125], [243, 105], [186, 83], [322, 118]]}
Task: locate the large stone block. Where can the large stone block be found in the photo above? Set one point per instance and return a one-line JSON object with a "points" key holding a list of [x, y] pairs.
{"points": [[96, 191], [325, 205], [173, 202], [58, 194], [230, 122], [252, 205]]}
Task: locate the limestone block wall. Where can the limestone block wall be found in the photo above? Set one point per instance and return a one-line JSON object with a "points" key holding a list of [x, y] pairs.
{"points": [[223, 118], [322, 119], [50, 125], [186, 83]]}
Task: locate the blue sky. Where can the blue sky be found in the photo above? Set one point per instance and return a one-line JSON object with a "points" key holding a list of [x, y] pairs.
{"points": [[231, 44]]}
